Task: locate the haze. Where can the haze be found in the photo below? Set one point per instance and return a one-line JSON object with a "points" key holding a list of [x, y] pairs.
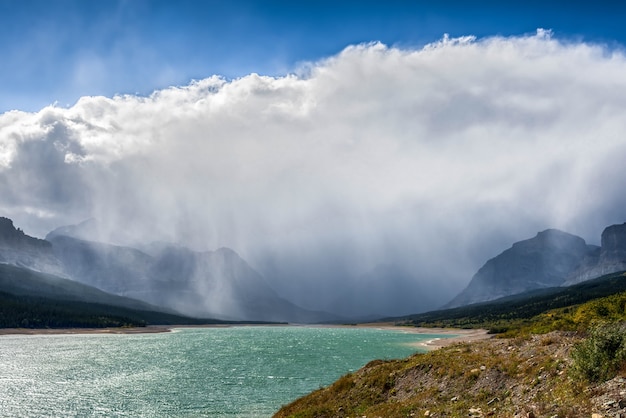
{"points": [[427, 160]]}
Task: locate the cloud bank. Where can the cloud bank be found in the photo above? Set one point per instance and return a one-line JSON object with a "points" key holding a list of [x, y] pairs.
{"points": [[432, 159]]}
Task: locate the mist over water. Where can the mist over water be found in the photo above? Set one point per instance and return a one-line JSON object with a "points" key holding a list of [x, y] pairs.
{"points": [[215, 372]]}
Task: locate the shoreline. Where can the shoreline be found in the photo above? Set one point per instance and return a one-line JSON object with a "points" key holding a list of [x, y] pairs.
{"points": [[149, 329], [460, 336], [456, 335]]}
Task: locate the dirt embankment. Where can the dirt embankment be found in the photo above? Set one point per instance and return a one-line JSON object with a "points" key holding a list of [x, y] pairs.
{"points": [[521, 378]]}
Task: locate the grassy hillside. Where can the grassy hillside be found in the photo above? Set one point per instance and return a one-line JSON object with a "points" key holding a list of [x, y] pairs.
{"points": [[565, 358], [513, 311], [495, 378], [29, 299], [33, 312], [23, 281], [37, 312]]}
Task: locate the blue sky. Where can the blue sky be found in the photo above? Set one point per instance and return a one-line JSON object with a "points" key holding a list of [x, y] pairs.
{"points": [[60, 50]]}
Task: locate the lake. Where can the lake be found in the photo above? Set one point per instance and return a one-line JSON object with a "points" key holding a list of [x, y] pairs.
{"points": [[189, 372]]}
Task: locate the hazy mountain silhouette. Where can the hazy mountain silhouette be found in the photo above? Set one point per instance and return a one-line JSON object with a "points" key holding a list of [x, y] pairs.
{"points": [[609, 258], [19, 249], [213, 283], [546, 260], [223, 285]]}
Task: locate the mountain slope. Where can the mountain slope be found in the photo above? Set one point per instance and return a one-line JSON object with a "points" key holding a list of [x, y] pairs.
{"points": [[609, 258], [543, 261], [215, 284], [19, 249], [37, 300], [26, 282], [219, 281], [505, 312]]}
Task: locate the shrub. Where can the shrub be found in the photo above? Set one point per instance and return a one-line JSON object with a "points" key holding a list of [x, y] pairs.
{"points": [[599, 357]]}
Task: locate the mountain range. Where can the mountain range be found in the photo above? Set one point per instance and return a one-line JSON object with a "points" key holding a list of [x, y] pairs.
{"points": [[220, 284], [216, 284], [551, 258]]}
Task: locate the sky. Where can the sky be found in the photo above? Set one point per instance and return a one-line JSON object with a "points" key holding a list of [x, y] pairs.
{"points": [[58, 51], [326, 142]]}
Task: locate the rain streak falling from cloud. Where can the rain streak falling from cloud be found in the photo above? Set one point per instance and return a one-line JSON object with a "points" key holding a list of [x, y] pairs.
{"points": [[378, 155]]}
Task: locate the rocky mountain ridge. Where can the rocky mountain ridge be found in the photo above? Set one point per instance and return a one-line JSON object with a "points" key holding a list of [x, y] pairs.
{"points": [[19, 249], [550, 259], [609, 258], [217, 284], [221, 284]]}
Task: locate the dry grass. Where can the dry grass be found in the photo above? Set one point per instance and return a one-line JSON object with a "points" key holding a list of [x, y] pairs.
{"points": [[529, 371], [501, 377]]}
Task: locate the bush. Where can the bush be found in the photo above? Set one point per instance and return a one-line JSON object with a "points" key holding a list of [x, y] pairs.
{"points": [[599, 357]]}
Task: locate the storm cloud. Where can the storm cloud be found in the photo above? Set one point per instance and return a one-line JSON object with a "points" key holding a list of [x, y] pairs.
{"points": [[432, 159]]}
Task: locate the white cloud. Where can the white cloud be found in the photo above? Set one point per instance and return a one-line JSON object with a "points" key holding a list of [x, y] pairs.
{"points": [[377, 154]]}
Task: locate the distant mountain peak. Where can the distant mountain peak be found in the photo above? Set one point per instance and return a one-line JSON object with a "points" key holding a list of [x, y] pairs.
{"points": [[543, 261], [609, 258], [614, 238], [550, 238], [12, 236], [19, 249], [87, 230], [227, 252], [212, 283]]}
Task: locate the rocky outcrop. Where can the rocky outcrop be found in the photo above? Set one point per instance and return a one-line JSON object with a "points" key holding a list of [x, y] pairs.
{"points": [[16, 238], [543, 261], [609, 258], [19, 249]]}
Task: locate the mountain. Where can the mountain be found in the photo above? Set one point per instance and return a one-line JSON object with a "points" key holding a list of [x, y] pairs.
{"points": [[31, 299], [500, 314], [546, 260], [609, 258], [217, 284], [219, 281], [19, 249], [25, 282], [213, 283]]}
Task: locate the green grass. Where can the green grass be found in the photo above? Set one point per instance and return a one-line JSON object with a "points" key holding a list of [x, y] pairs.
{"points": [[451, 381], [554, 345], [29, 299], [38, 312], [602, 355], [514, 312]]}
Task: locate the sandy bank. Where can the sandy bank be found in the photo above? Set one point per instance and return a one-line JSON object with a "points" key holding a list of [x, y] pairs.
{"points": [[457, 335]]}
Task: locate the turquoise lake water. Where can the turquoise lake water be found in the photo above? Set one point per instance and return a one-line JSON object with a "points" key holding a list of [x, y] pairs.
{"points": [[209, 372]]}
